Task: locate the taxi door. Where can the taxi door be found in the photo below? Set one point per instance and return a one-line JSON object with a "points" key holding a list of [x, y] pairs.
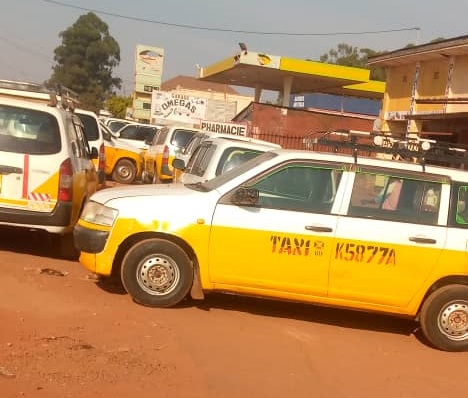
{"points": [[284, 243], [383, 255]]}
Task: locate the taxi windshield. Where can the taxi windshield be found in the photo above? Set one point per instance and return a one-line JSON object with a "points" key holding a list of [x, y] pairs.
{"points": [[233, 173]]}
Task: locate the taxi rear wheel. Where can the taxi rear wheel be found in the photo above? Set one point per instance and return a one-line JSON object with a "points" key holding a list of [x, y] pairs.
{"points": [[124, 172], [444, 318], [157, 273]]}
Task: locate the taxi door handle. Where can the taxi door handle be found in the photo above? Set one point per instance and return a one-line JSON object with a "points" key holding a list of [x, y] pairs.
{"points": [[318, 228], [418, 239]]}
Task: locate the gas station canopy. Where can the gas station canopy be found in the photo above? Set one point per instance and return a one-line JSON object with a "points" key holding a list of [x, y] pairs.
{"points": [[291, 76]]}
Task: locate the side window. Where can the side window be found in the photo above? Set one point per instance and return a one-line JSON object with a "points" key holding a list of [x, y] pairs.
{"points": [[129, 132], [145, 133], [461, 214], [395, 197], [299, 187], [81, 144]]}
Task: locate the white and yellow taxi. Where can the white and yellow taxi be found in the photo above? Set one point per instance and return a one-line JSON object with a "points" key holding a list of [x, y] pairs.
{"points": [[46, 168], [358, 233], [123, 161]]}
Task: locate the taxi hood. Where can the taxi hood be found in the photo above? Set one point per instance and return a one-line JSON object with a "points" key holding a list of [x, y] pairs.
{"points": [[108, 194]]}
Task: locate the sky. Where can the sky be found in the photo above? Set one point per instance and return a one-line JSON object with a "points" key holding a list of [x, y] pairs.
{"points": [[29, 29]]}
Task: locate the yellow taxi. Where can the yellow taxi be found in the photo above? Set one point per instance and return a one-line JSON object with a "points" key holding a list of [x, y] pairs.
{"points": [[123, 161], [335, 230], [167, 143]]}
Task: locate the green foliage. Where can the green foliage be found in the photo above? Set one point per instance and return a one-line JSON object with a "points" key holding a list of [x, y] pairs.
{"points": [[347, 55], [117, 105], [85, 61]]}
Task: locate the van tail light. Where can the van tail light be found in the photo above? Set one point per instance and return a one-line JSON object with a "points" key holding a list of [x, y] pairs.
{"points": [[65, 193], [102, 158], [165, 157]]}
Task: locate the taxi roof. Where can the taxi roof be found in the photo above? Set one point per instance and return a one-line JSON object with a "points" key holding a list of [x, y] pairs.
{"points": [[253, 69]]}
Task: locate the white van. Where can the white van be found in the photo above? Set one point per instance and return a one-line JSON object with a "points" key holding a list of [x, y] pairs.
{"points": [[46, 168]]}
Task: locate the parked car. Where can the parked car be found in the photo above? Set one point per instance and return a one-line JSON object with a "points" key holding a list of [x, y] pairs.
{"points": [[46, 165], [95, 138], [123, 161], [163, 148], [299, 226], [137, 134], [214, 156]]}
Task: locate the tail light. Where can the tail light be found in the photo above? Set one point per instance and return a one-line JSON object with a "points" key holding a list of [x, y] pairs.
{"points": [[102, 158], [165, 157], [65, 193]]}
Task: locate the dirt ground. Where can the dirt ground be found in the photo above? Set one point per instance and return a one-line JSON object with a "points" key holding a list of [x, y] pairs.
{"points": [[65, 334]]}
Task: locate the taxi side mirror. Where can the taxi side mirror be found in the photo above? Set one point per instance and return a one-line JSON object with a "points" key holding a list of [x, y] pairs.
{"points": [[245, 197], [178, 164]]}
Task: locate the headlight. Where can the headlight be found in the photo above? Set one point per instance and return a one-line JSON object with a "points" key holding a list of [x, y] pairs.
{"points": [[97, 213]]}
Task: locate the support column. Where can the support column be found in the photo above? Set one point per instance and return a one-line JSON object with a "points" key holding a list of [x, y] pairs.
{"points": [[258, 92], [287, 84]]}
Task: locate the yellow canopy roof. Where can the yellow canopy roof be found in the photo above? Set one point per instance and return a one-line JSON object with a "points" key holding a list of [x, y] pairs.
{"points": [[269, 72]]}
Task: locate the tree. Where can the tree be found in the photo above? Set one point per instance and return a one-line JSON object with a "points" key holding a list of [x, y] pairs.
{"points": [[85, 61], [347, 55], [117, 105]]}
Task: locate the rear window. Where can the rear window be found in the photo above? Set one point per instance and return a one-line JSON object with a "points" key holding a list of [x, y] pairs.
{"points": [[233, 157], [28, 131], [181, 138], [200, 160], [91, 127]]}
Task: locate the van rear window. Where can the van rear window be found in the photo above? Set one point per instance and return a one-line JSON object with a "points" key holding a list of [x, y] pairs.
{"points": [[28, 131], [91, 127]]}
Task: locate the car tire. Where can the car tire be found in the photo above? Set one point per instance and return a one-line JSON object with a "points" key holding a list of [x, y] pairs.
{"points": [[444, 318], [157, 273], [124, 172]]}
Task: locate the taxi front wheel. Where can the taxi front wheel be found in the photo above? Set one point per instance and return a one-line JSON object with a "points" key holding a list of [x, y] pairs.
{"points": [[444, 318], [157, 273]]}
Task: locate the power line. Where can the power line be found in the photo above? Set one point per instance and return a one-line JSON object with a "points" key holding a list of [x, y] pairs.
{"points": [[193, 27]]}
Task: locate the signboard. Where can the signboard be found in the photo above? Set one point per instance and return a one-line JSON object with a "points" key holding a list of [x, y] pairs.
{"points": [[258, 59], [224, 127], [149, 60], [174, 107]]}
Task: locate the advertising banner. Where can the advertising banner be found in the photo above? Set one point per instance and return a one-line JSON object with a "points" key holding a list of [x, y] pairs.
{"points": [[177, 108]]}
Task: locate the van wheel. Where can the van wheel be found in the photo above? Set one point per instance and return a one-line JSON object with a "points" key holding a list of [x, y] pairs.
{"points": [[124, 172], [444, 318], [157, 273], [65, 246]]}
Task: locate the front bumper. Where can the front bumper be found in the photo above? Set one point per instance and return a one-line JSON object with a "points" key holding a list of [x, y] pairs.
{"points": [[89, 240]]}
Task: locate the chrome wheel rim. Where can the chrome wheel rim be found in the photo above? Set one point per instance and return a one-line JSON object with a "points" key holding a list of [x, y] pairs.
{"points": [[158, 275], [124, 172], [453, 320]]}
